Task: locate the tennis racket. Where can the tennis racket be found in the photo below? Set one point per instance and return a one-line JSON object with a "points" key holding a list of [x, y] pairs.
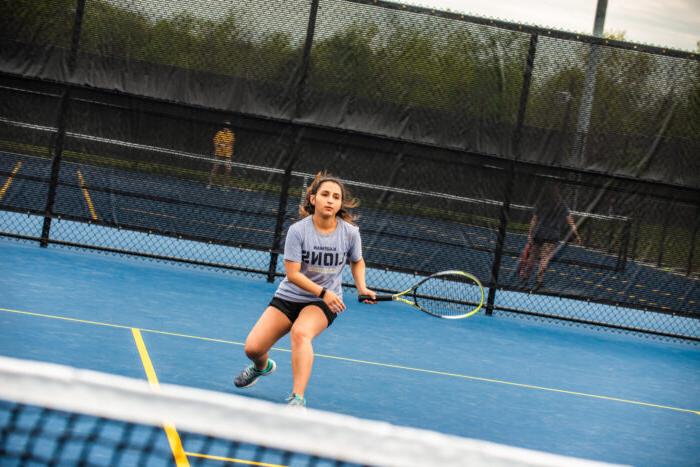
{"points": [[446, 294]]}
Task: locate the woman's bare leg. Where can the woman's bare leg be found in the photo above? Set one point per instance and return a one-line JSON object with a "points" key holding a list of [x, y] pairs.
{"points": [[310, 323], [546, 256], [272, 325]]}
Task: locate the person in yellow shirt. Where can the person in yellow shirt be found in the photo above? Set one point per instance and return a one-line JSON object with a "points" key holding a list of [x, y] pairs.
{"points": [[223, 154]]}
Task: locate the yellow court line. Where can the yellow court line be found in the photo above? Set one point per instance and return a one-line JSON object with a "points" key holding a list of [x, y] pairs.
{"points": [[228, 459], [170, 430], [120, 326], [65, 318], [366, 362], [510, 383], [86, 195], [179, 453], [8, 182]]}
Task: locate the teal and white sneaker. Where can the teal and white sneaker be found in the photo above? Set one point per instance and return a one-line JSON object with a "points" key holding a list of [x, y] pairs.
{"points": [[249, 376], [296, 400]]}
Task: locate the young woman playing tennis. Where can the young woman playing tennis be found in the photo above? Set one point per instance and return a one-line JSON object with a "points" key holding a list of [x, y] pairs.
{"points": [[310, 296]]}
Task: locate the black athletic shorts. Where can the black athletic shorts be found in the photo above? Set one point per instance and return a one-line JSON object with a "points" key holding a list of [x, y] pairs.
{"points": [[539, 240], [292, 309], [545, 234]]}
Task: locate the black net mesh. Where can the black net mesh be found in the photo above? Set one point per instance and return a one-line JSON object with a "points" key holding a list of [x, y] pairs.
{"points": [[218, 53], [618, 111], [415, 76], [32, 435], [40, 31]]}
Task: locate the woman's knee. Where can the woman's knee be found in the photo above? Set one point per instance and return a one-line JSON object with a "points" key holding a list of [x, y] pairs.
{"points": [[301, 335], [254, 350]]}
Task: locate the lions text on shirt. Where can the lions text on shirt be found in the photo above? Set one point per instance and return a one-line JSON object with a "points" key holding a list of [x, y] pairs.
{"points": [[322, 256]]}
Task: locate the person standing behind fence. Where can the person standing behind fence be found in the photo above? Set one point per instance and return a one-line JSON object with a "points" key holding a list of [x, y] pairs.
{"points": [[223, 154], [551, 223]]}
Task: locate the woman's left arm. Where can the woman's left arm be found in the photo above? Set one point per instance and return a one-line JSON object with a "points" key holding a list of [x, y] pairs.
{"points": [[358, 274]]}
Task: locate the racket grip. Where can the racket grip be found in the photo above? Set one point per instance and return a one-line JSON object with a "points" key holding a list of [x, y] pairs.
{"points": [[380, 298]]}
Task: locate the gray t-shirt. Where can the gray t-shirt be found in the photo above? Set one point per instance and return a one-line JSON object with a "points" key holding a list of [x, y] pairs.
{"points": [[322, 257]]}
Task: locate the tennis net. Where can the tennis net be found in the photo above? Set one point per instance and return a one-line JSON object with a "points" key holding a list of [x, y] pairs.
{"points": [[58, 415]]}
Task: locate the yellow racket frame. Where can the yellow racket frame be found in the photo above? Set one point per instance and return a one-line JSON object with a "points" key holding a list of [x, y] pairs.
{"points": [[399, 297]]}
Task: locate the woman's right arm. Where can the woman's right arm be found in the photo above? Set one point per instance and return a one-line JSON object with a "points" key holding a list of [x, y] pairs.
{"points": [[296, 277]]}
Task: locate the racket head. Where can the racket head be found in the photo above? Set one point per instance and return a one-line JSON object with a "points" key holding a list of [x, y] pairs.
{"points": [[448, 295]]}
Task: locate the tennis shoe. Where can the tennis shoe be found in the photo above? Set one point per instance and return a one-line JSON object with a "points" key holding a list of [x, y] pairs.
{"points": [[249, 376], [296, 400]]}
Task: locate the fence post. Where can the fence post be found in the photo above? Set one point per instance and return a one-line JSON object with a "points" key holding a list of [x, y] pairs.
{"points": [[689, 269], [624, 246], [664, 232], [635, 241], [61, 124], [295, 149], [505, 208]]}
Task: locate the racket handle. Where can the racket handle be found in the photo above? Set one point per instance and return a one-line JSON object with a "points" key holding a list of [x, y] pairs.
{"points": [[380, 298]]}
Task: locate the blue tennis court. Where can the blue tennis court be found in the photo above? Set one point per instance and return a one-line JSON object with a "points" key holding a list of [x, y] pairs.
{"points": [[566, 390]]}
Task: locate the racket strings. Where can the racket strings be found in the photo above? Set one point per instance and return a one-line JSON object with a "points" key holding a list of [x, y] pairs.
{"points": [[448, 296]]}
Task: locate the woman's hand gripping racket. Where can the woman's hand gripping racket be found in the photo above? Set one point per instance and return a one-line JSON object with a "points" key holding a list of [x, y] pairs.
{"points": [[446, 294]]}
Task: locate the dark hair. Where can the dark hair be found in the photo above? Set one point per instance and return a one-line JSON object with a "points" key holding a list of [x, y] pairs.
{"points": [[347, 201]]}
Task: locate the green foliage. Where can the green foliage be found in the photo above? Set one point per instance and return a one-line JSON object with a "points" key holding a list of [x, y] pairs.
{"points": [[408, 65], [185, 41], [467, 70], [686, 118], [281, 58], [552, 100], [38, 22], [624, 94], [112, 31], [346, 60], [412, 68]]}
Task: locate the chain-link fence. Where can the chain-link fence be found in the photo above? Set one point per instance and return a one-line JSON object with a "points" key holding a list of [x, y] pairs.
{"points": [[450, 131]]}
